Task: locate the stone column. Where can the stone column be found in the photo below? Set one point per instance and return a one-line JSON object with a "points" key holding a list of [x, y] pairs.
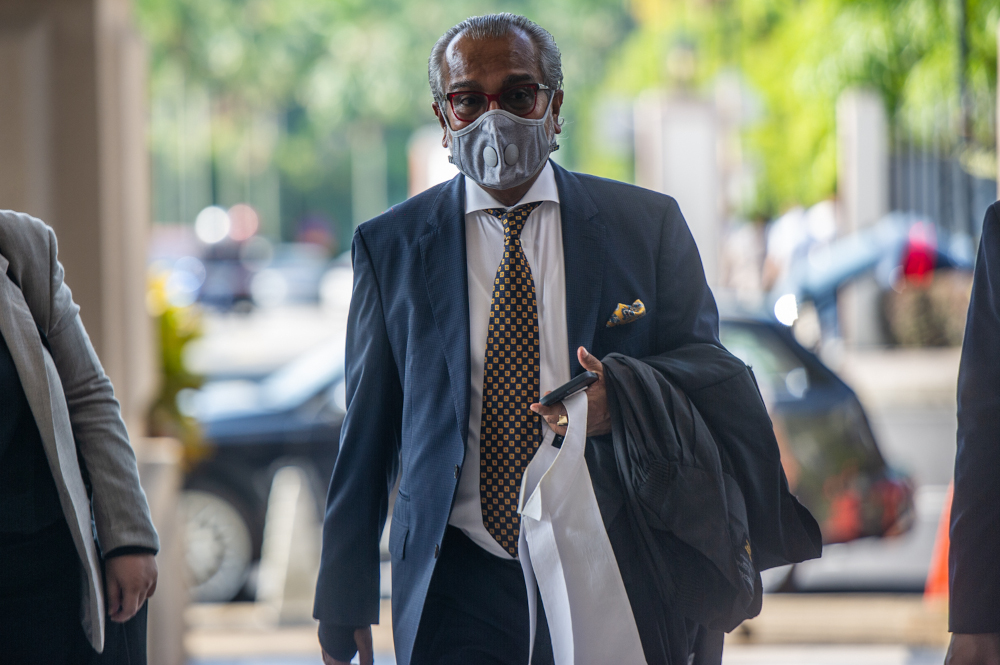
{"points": [[675, 153], [862, 159], [73, 152], [369, 173], [863, 190]]}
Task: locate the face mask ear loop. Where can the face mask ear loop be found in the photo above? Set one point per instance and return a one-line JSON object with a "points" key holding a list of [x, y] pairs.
{"points": [[553, 146], [447, 128]]}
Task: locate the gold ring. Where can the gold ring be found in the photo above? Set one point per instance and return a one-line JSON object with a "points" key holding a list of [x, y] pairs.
{"points": [[563, 421]]}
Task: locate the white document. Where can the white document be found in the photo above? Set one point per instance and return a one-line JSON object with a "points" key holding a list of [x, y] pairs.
{"points": [[565, 553]]}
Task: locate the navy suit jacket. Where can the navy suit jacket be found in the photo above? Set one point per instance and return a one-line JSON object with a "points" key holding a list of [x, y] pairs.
{"points": [[408, 367], [975, 508]]}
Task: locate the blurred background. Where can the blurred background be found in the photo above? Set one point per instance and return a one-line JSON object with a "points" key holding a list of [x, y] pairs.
{"points": [[205, 162]]}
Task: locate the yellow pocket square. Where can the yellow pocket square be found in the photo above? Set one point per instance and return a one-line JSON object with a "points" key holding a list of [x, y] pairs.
{"points": [[626, 314]]}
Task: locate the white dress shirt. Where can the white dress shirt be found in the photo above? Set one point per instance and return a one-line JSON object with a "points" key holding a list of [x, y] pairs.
{"points": [[541, 240]]}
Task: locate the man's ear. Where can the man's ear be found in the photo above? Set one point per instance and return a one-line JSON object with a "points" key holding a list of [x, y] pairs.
{"points": [[441, 119], [557, 100]]}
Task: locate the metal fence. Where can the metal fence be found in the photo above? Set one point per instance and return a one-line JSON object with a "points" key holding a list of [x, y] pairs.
{"points": [[933, 184]]}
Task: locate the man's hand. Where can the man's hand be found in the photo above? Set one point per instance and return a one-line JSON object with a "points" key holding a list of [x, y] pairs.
{"points": [[363, 640], [598, 417], [974, 649], [129, 580]]}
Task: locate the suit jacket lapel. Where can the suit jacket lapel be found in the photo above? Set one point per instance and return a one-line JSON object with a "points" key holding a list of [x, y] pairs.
{"points": [[22, 337], [583, 256], [442, 250], [19, 331]]}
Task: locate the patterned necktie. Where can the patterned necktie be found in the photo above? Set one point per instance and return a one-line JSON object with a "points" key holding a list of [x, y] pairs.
{"points": [[509, 432]]}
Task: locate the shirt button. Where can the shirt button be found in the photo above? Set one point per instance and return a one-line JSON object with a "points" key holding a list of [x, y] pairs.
{"points": [[456, 471], [436, 550]]}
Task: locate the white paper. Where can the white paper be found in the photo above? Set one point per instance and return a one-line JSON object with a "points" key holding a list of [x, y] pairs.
{"points": [[565, 553]]}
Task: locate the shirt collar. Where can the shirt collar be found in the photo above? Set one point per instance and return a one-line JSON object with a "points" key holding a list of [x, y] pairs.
{"points": [[543, 189]]}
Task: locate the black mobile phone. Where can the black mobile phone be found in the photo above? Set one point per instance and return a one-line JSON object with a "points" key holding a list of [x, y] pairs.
{"points": [[575, 384]]}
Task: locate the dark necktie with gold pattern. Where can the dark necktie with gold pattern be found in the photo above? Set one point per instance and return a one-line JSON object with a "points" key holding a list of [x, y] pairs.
{"points": [[509, 432]]}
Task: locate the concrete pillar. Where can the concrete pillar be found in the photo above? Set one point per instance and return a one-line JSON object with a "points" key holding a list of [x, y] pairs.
{"points": [[676, 144], [290, 553], [369, 173], [863, 191], [160, 473], [73, 152], [427, 160], [862, 159]]}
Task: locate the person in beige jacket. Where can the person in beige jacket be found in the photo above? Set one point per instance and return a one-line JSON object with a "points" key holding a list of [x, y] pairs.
{"points": [[76, 539]]}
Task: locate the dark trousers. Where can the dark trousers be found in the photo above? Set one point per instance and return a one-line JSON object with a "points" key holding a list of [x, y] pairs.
{"points": [[40, 606], [40, 599], [477, 610]]}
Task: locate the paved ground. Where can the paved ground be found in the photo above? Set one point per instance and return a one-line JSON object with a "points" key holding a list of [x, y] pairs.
{"points": [[793, 629], [757, 655], [832, 655], [909, 397]]}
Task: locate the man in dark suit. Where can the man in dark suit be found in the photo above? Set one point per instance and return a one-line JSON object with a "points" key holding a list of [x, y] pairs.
{"points": [[470, 301], [974, 615]]}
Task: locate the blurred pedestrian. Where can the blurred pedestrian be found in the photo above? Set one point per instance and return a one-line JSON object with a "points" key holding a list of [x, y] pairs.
{"points": [[974, 558], [472, 300], [76, 539]]}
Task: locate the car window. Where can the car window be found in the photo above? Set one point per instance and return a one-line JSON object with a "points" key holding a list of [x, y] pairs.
{"points": [[779, 372], [302, 378]]}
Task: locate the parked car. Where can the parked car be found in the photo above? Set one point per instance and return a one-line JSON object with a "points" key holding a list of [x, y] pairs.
{"points": [[828, 450], [294, 416], [253, 428]]}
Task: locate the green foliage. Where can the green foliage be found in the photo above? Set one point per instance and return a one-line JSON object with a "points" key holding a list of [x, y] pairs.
{"points": [[800, 55], [319, 67], [335, 63], [176, 327]]}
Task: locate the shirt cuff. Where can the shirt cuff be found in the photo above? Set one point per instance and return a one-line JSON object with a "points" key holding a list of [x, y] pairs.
{"points": [[338, 641], [128, 549]]}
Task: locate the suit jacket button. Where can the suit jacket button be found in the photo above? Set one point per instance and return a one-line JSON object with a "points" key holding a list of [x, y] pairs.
{"points": [[436, 550], [456, 471]]}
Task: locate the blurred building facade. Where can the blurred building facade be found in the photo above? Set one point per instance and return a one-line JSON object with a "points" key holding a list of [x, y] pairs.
{"points": [[73, 152]]}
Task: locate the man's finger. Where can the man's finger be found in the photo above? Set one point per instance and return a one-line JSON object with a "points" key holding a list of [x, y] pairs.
{"points": [[589, 362], [551, 415], [555, 410]]}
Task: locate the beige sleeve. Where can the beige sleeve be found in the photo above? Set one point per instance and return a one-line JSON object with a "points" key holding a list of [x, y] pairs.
{"points": [[121, 513]]}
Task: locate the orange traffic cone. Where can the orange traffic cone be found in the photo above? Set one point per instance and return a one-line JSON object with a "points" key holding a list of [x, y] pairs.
{"points": [[936, 588]]}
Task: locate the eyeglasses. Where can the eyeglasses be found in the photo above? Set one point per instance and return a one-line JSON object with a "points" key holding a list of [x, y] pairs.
{"points": [[519, 100]]}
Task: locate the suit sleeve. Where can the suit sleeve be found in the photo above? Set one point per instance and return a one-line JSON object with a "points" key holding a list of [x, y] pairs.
{"points": [[686, 310], [347, 592], [975, 512], [121, 514]]}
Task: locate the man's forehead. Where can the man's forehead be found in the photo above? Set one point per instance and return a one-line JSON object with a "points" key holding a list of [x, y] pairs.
{"points": [[490, 60]]}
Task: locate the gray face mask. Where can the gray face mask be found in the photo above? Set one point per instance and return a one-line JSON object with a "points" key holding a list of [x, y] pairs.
{"points": [[501, 150]]}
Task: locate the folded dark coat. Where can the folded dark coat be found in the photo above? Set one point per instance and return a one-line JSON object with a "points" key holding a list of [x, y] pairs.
{"points": [[703, 487]]}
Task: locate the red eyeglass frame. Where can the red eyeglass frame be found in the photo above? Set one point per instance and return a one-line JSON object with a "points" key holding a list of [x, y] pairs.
{"points": [[491, 98]]}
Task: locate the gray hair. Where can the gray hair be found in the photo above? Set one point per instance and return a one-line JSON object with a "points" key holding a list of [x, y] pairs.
{"points": [[497, 26]]}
